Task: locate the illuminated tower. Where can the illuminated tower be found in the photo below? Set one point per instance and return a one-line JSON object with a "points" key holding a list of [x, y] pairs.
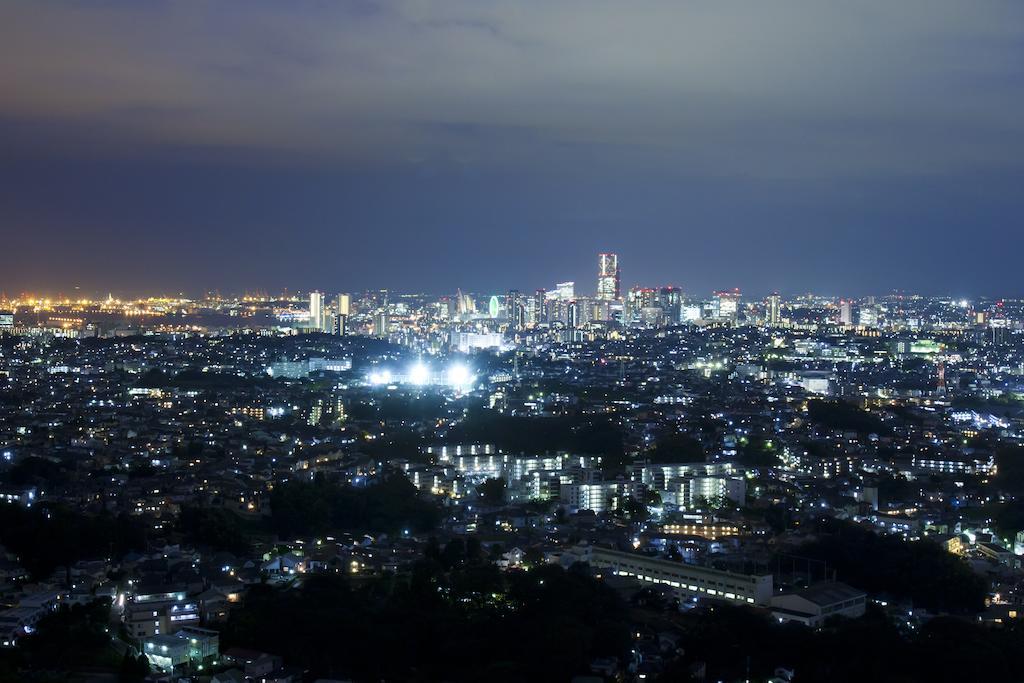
{"points": [[341, 318], [316, 311], [773, 310], [608, 280]]}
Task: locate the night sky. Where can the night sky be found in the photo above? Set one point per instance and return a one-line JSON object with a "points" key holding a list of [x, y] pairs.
{"points": [[842, 147]]}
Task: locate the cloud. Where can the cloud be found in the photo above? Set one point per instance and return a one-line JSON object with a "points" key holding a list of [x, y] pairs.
{"points": [[753, 89]]}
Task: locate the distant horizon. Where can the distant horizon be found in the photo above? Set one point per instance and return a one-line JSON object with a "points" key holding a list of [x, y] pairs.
{"points": [[765, 146], [100, 294]]}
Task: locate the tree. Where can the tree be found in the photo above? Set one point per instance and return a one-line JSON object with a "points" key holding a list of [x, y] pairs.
{"points": [[921, 571], [133, 669], [672, 447], [492, 491], [632, 509]]}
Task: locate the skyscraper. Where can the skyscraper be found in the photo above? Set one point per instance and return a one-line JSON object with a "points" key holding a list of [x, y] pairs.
{"points": [[573, 315], [845, 312], [540, 307], [316, 311], [341, 317], [381, 324], [608, 280], [773, 310], [515, 310], [670, 299]]}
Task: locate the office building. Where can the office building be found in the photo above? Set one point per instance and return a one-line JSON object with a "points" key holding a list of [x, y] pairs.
{"points": [[868, 316], [670, 300], [845, 312], [564, 291], [727, 305], [608, 278]]}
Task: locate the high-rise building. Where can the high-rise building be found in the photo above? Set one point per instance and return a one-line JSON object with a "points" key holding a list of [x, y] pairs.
{"points": [[515, 310], [670, 300], [727, 304], [642, 297], [608, 278], [845, 312], [316, 311], [540, 307], [573, 315], [641, 302], [773, 310], [465, 304], [380, 324], [340, 322], [344, 303], [564, 291], [868, 316]]}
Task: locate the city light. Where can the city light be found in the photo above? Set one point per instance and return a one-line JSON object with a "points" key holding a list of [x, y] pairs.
{"points": [[419, 374], [459, 376], [379, 377]]}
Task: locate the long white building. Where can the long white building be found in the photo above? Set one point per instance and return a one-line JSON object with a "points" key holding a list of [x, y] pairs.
{"points": [[687, 579]]}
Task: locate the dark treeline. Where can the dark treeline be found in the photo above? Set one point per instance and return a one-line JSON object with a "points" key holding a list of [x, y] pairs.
{"points": [[921, 571], [71, 638], [322, 506], [471, 623], [47, 538], [577, 434], [737, 643], [213, 528], [845, 416]]}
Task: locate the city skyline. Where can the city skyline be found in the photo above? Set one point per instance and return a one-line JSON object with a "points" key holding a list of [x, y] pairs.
{"points": [[608, 287]]}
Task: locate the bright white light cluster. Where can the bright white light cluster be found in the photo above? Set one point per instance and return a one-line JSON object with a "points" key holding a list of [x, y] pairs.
{"points": [[457, 376], [378, 377], [419, 374]]}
